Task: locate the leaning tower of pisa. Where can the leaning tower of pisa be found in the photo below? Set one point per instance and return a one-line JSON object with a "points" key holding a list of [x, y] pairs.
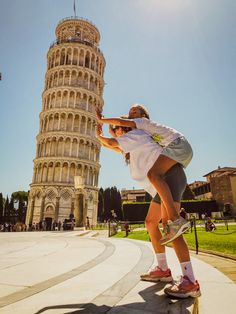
{"points": [[66, 144]]}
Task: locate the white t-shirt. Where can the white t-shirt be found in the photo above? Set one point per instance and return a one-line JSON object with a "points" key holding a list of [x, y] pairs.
{"points": [[162, 134], [144, 151]]}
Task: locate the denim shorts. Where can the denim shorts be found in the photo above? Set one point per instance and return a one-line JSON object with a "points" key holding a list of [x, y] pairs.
{"points": [[179, 150], [176, 179]]}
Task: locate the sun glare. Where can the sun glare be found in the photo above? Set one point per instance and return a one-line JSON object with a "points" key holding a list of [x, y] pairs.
{"points": [[170, 5]]}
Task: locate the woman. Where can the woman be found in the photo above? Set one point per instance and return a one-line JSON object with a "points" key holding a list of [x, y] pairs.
{"points": [[141, 153], [176, 150]]}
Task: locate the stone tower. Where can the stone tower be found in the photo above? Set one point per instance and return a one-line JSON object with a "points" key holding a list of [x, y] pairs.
{"points": [[67, 149]]}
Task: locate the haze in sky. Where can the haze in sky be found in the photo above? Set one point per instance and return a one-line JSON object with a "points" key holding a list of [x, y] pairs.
{"points": [[175, 56]]}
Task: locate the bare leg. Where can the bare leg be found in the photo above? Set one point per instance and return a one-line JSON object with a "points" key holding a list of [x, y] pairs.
{"points": [[161, 272], [152, 219], [155, 175], [188, 286], [164, 215]]}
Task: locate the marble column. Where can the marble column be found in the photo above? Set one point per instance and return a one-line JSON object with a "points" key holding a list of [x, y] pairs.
{"points": [[57, 209], [42, 209], [78, 210], [85, 211], [31, 215], [72, 206], [81, 210]]}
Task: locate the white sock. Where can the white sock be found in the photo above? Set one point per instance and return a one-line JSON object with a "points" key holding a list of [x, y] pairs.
{"points": [[161, 261], [187, 270]]}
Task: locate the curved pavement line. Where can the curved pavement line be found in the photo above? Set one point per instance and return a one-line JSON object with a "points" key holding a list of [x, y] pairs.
{"points": [[39, 287], [110, 297], [30, 260]]}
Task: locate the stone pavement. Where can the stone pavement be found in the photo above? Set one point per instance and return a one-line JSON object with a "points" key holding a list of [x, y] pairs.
{"points": [[225, 265], [80, 272]]}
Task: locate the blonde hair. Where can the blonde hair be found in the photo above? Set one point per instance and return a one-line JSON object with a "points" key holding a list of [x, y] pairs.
{"points": [[143, 110]]}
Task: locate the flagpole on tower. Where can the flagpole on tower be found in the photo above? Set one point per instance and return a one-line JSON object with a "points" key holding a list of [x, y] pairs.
{"points": [[74, 9]]}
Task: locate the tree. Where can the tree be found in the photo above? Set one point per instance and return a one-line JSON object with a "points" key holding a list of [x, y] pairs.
{"points": [[20, 194], [107, 204], [1, 208], [111, 204], [113, 193], [188, 194], [100, 204], [21, 212], [20, 197], [148, 197], [119, 206], [11, 211], [116, 203], [6, 211]]}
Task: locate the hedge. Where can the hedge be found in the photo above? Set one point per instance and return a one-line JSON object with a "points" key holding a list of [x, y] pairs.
{"points": [[137, 211]]}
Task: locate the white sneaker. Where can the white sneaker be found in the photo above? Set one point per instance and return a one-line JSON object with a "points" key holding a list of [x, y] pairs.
{"points": [[174, 229], [184, 289], [157, 274]]}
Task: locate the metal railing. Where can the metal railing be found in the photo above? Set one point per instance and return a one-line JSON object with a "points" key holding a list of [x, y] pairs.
{"points": [[126, 226], [193, 225], [75, 40], [76, 18]]}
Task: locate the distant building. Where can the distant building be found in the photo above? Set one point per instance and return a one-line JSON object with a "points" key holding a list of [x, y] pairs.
{"points": [[223, 187], [133, 195], [201, 189], [220, 185]]}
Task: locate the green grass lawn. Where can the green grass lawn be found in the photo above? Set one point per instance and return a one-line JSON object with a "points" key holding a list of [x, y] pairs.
{"points": [[220, 240]]}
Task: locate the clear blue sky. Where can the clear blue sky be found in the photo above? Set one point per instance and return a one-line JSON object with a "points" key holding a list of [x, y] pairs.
{"points": [[175, 56]]}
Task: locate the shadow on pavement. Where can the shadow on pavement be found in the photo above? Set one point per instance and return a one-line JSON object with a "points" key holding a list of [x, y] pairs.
{"points": [[153, 303]]}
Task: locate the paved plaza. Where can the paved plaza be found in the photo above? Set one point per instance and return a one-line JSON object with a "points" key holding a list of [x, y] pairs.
{"points": [[87, 272]]}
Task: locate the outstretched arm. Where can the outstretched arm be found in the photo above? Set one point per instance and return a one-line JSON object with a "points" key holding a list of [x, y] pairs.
{"points": [[116, 121], [107, 142]]}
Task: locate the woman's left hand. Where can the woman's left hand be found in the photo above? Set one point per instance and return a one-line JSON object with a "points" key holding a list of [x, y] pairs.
{"points": [[99, 115], [99, 130]]}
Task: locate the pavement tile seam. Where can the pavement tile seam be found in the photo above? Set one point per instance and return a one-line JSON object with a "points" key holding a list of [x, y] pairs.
{"points": [[13, 285], [111, 298], [82, 234], [22, 249], [31, 277], [137, 300], [224, 265], [27, 292], [36, 257], [115, 293], [75, 285]]}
